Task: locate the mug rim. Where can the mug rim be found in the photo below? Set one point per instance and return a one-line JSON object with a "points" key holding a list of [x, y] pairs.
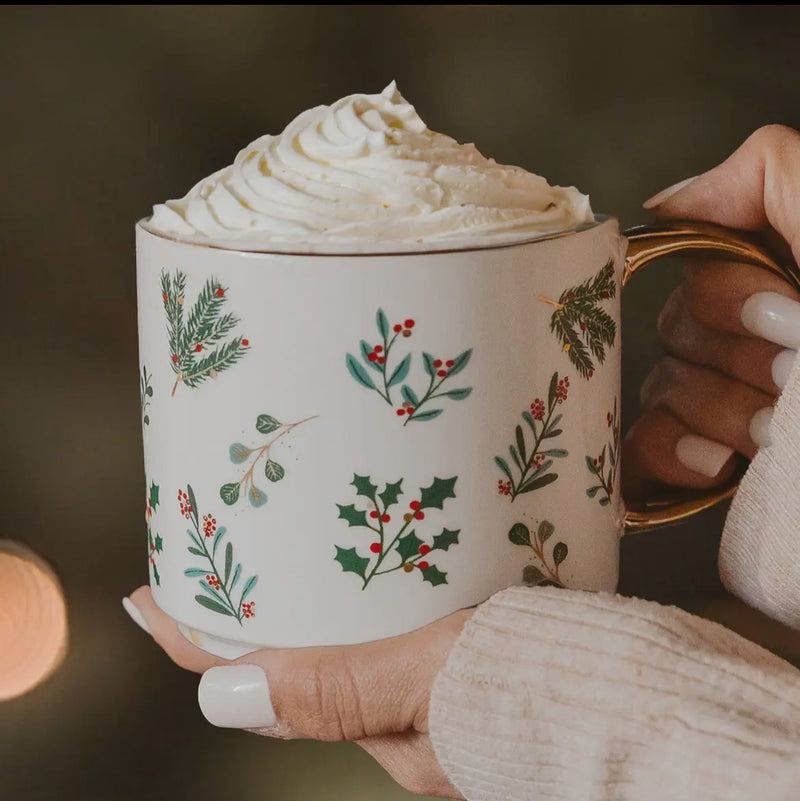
{"points": [[599, 219]]}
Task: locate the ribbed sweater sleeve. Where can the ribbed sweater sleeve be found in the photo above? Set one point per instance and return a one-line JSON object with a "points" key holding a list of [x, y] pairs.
{"points": [[562, 695]]}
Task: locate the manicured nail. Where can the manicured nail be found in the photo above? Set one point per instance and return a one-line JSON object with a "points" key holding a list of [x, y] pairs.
{"points": [[136, 615], [774, 317], [702, 455], [782, 366], [236, 697], [664, 194], [759, 426]]}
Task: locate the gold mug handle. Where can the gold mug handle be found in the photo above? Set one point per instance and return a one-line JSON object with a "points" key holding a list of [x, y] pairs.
{"points": [[645, 244]]}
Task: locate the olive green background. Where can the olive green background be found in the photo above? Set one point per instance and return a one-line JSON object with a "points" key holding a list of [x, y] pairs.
{"points": [[107, 110]]}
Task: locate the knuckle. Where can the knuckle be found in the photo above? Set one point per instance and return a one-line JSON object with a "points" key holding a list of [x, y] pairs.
{"points": [[773, 139], [330, 700], [669, 318]]}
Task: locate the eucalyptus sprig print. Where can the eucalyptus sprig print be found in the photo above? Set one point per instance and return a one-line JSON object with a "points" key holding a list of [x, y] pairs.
{"points": [[532, 463], [273, 471], [145, 394], [198, 350], [581, 325], [392, 373], [542, 573], [405, 549], [604, 466], [155, 544], [219, 585]]}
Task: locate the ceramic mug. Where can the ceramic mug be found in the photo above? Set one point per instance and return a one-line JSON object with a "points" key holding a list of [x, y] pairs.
{"points": [[341, 448]]}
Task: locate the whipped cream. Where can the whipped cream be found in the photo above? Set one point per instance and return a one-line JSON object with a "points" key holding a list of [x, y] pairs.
{"points": [[366, 174]]}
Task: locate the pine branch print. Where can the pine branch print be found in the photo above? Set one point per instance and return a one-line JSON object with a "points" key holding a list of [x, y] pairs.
{"points": [[197, 350], [585, 329]]}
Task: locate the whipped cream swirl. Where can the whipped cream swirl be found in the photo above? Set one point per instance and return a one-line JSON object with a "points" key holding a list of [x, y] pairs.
{"points": [[367, 175]]}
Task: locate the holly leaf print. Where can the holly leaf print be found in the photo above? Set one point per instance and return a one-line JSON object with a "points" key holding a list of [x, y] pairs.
{"points": [[440, 490], [154, 496], [433, 575], [408, 546], [350, 561], [441, 542], [391, 493], [353, 516], [364, 486]]}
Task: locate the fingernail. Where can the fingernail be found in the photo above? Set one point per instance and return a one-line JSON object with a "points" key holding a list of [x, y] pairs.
{"points": [[782, 366], [236, 697], [702, 455], [664, 194], [136, 615], [759, 426], [774, 317]]}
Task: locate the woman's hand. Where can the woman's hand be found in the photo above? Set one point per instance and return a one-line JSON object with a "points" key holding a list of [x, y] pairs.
{"points": [[376, 694], [730, 330]]}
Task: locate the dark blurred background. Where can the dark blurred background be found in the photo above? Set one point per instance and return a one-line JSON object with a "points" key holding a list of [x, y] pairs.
{"points": [[109, 109]]}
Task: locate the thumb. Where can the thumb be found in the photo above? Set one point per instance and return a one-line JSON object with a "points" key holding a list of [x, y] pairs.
{"points": [[333, 692], [753, 189]]}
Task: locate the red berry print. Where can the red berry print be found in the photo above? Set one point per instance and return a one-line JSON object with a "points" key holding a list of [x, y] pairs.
{"points": [[562, 389], [583, 326], [183, 502], [590, 373], [220, 291], [209, 525], [373, 514], [378, 348], [423, 549], [398, 328], [449, 363], [441, 373], [372, 356], [212, 581], [437, 363], [423, 565], [198, 348], [375, 547], [175, 358], [537, 409], [246, 342], [410, 410], [409, 323], [165, 298], [609, 419], [381, 360], [414, 505], [249, 609], [538, 460], [503, 487], [571, 296], [401, 412], [386, 518], [419, 515]]}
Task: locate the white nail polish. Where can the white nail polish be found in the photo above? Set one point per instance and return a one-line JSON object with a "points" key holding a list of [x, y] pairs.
{"points": [[759, 426], [702, 455], [236, 697], [136, 615], [773, 317], [667, 193], [782, 366]]}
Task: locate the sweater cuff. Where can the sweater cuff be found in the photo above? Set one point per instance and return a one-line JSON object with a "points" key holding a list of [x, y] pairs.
{"points": [[566, 695]]}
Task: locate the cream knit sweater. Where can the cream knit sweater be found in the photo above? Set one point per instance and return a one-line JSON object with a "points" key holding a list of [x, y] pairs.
{"points": [[562, 695]]}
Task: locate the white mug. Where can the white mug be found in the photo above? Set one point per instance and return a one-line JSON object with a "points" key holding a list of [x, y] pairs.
{"points": [[341, 448]]}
